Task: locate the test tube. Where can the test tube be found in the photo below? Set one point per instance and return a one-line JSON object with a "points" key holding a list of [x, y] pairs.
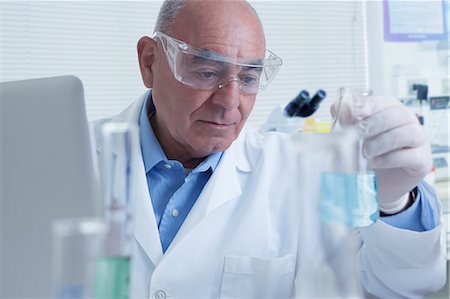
{"points": [[112, 273], [76, 245]]}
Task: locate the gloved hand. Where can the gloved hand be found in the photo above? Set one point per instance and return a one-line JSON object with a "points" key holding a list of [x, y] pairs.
{"points": [[394, 145]]}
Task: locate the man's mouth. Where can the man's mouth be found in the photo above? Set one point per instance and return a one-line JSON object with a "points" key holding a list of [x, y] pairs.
{"points": [[218, 124]]}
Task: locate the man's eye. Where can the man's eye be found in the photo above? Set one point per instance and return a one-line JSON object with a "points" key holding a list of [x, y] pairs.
{"points": [[249, 80], [207, 75]]}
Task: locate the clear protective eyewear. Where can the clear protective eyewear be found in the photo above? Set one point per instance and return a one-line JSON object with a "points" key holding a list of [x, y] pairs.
{"points": [[203, 69]]}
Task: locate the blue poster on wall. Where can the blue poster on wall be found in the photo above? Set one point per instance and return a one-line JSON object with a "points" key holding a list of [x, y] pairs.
{"points": [[406, 21]]}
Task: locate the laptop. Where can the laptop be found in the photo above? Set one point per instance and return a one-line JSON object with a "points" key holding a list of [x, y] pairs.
{"points": [[47, 173]]}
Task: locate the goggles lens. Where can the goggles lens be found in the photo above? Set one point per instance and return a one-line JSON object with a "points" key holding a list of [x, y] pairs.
{"points": [[210, 70]]}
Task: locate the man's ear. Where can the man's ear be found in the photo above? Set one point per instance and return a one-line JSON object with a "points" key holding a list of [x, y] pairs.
{"points": [[146, 49]]}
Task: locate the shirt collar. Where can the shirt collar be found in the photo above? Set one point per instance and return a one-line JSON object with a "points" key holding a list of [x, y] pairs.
{"points": [[152, 152]]}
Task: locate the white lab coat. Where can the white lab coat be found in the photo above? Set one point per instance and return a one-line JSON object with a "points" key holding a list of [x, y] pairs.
{"points": [[240, 240]]}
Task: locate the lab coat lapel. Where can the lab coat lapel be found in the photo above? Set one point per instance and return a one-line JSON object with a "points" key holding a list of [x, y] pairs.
{"points": [[145, 229], [223, 186]]}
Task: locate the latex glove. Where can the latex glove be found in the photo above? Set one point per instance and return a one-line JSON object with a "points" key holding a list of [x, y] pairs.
{"points": [[394, 145]]}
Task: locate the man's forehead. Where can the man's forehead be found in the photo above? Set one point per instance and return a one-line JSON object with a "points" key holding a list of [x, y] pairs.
{"points": [[222, 20]]}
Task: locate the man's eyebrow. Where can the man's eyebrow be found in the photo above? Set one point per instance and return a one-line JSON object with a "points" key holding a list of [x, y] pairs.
{"points": [[251, 68], [202, 60], [258, 62], [208, 55]]}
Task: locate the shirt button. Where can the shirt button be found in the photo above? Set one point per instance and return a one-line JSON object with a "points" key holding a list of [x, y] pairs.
{"points": [[175, 213], [168, 166], [160, 295]]}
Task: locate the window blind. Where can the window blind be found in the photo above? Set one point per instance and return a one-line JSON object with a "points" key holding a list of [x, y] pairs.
{"points": [[322, 44]]}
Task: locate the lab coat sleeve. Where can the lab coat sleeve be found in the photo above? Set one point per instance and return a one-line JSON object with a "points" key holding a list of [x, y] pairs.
{"points": [[402, 263]]}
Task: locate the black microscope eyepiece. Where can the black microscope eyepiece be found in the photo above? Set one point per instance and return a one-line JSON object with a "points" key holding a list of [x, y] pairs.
{"points": [[311, 106], [296, 103]]}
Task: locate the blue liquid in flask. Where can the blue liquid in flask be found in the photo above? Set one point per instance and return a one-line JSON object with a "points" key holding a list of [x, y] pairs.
{"points": [[349, 198]]}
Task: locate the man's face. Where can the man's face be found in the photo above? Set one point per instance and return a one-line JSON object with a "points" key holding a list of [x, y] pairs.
{"points": [[193, 123]]}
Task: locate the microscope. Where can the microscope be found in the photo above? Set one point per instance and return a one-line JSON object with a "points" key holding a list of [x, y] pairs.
{"points": [[289, 119]]}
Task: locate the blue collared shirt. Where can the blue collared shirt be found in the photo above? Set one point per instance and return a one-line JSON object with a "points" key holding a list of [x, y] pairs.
{"points": [[173, 189]]}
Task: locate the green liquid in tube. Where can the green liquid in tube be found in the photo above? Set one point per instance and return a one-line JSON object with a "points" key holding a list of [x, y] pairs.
{"points": [[112, 277]]}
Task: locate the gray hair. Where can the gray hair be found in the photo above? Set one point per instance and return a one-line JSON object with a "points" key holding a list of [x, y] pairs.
{"points": [[167, 14], [169, 10]]}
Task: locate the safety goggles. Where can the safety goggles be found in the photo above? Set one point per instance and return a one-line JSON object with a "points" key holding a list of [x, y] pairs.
{"points": [[204, 69]]}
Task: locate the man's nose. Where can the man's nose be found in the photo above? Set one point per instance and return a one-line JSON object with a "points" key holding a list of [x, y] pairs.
{"points": [[228, 94]]}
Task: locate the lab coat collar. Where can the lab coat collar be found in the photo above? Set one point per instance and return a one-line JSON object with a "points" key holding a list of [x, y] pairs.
{"points": [[222, 187]]}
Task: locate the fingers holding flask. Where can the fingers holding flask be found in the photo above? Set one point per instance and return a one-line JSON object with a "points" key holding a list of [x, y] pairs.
{"points": [[416, 161], [393, 137], [408, 136], [378, 121]]}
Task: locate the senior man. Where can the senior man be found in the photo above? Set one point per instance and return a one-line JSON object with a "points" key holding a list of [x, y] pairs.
{"points": [[215, 214]]}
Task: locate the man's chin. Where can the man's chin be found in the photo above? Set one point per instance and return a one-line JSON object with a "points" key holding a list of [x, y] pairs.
{"points": [[214, 147]]}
